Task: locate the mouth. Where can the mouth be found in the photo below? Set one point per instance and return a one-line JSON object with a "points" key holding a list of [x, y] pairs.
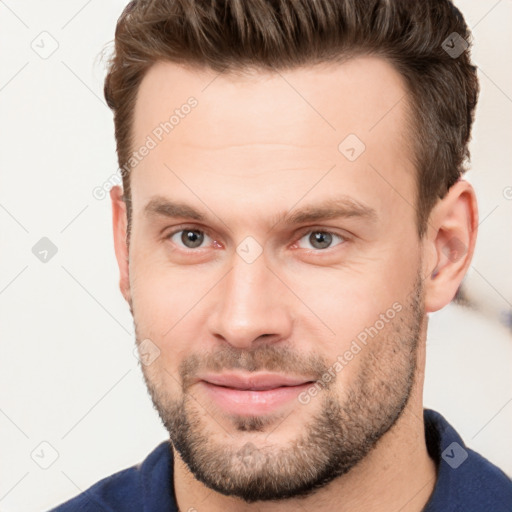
{"points": [[252, 394], [259, 388]]}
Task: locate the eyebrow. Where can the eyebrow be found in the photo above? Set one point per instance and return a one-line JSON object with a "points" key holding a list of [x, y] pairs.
{"points": [[161, 206], [329, 209]]}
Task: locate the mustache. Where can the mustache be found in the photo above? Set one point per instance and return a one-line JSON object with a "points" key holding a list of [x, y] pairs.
{"points": [[272, 358]]}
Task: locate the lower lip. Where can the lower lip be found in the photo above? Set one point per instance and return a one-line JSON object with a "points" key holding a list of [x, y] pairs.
{"points": [[250, 402]]}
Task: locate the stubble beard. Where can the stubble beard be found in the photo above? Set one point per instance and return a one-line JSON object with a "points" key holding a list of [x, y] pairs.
{"points": [[330, 443]]}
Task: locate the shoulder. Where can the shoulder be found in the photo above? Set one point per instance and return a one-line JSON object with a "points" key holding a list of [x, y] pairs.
{"points": [[125, 490], [122, 488], [485, 484], [466, 481]]}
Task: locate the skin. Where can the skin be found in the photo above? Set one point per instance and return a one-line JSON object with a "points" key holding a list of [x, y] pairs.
{"points": [[256, 147]]}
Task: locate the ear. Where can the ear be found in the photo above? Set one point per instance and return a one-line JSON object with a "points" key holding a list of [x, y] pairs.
{"points": [[449, 244], [120, 220]]}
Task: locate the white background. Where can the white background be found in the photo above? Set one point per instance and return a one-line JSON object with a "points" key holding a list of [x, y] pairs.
{"points": [[68, 375]]}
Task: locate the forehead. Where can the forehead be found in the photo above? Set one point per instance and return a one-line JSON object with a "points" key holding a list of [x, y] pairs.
{"points": [[355, 95], [271, 129]]}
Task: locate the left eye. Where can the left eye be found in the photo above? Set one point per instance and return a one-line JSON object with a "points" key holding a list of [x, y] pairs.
{"points": [[190, 238], [321, 239]]}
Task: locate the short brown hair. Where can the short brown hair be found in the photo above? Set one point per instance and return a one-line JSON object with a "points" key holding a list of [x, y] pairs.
{"points": [[232, 35]]}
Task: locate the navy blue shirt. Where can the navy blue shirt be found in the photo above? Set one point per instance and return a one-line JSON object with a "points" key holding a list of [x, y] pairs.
{"points": [[466, 481]]}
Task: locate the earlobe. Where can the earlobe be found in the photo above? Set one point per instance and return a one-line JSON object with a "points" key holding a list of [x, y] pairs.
{"points": [[450, 241], [119, 221]]}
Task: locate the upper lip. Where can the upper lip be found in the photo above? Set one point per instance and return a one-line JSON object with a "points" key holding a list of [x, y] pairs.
{"points": [[255, 382]]}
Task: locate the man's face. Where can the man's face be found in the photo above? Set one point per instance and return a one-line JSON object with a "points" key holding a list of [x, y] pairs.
{"points": [[262, 297]]}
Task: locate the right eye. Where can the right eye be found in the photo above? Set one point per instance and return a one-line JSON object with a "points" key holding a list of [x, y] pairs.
{"points": [[191, 238]]}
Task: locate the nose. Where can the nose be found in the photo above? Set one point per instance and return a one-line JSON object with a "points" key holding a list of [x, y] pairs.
{"points": [[253, 306]]}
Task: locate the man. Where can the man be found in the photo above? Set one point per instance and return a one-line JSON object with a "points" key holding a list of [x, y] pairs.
{"points": [[292, 209]]}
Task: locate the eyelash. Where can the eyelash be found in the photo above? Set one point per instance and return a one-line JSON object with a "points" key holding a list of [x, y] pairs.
{"points": [[300, 236]]}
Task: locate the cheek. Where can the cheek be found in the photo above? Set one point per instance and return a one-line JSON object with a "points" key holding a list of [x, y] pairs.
{"points": [[163, 307], [354, 308], [163, 295], [343, 301]]}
